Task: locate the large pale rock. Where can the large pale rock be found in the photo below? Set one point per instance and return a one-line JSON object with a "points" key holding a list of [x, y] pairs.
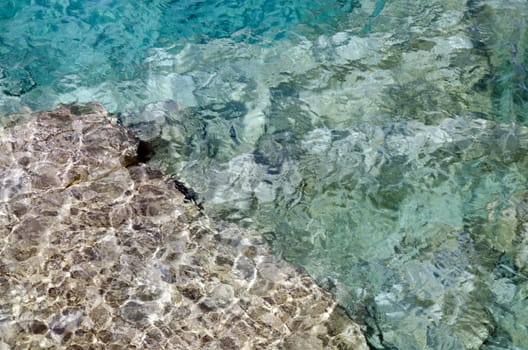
{"points": [[101, 252]]}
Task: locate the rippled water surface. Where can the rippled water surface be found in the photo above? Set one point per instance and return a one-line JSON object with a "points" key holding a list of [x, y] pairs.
{"points": [[380, 144]]}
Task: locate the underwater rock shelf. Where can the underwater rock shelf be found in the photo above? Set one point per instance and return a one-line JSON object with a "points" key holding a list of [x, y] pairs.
{"points": [[99, 251]]}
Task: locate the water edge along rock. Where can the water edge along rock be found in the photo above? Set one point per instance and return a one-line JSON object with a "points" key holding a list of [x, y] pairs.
{"points": [[98, 251]]}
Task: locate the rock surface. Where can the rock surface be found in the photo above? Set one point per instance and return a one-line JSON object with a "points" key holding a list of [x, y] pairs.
{"points": [[97, 251]]}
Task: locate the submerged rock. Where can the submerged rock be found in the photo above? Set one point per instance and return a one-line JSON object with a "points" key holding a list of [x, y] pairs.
{"points": [[99, 250]]}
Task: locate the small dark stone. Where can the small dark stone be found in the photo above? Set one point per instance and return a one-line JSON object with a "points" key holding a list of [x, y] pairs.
{"points": [[134, 312], [269, 300], [250, 251], [284, 90], [115, 298], [188, 272], [90, 253], [58, 329], [145, 152], [145, 294], [153, 337], [66, 337], [233, 135], [228, 343], [224, 260], [191, 292], [105, 336], [81, 109], [38, 327], [205, 307], [207, 339], [260, 158], [189, 193], [54, 292], [167, 276]]}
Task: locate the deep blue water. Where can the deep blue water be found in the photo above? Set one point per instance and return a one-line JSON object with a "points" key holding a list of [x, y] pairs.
{"points": [[382, 145], [62, 45]]}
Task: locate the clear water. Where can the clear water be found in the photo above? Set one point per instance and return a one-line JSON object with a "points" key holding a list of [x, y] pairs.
{"points": [[380, 144]]}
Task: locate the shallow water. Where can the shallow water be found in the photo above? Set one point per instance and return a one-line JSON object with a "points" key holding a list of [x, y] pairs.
{"points": [[381, 145]]}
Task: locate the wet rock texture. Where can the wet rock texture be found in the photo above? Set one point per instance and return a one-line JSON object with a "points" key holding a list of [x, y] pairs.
{"points": [[101, 252]]}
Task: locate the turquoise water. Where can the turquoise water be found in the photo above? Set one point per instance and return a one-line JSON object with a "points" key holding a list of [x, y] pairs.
{"points": [[380, 144]]}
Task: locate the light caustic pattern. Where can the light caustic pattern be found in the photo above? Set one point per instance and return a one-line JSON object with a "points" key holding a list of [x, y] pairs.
{"points": [[379, 144]]}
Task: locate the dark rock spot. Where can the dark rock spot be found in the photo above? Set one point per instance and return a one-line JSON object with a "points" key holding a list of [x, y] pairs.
{"points": [[115, 298], [228, 343], [58, 329], [134, 312], [54, 292], [66, 337], [105, 336], [191, 292], [189, 193], [38, 327], [207, 339], [224, 260], [147, 294], [145, 152], [22, 254]]}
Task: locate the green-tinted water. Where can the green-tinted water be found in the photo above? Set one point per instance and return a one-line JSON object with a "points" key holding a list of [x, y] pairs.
{"points": [[380, 144]]}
